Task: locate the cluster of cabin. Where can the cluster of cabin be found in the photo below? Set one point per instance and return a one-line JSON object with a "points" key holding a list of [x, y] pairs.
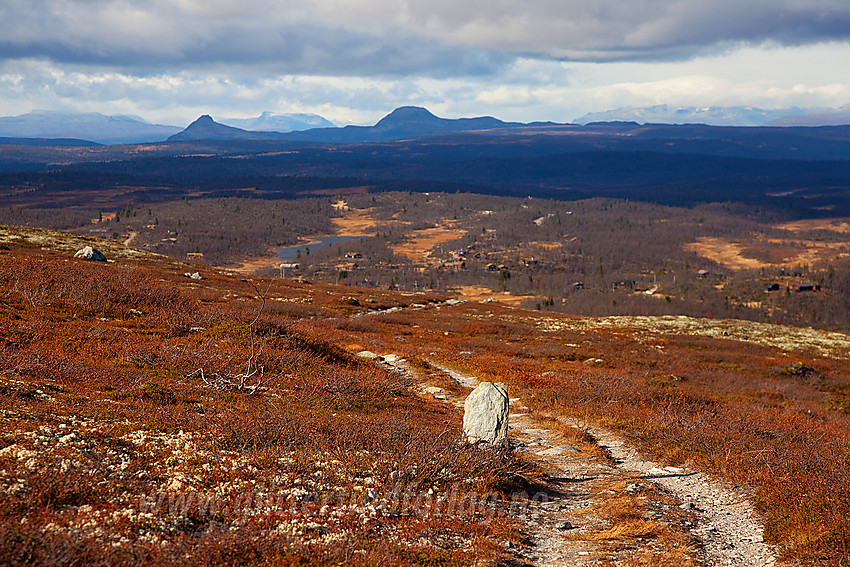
{"points": [[800, 287]]}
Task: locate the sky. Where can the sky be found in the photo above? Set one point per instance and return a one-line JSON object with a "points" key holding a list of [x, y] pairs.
{"points": [[353, 61]]}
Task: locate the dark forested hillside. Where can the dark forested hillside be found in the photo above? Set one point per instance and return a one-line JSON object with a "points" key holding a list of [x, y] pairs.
{"points": [[560, 167]]}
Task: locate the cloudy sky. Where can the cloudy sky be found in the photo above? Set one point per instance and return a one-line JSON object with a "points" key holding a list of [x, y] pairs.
{"points": [[353, 61]]}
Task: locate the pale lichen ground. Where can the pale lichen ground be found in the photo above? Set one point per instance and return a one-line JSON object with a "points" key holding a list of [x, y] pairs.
{"points": [[788, 339]]}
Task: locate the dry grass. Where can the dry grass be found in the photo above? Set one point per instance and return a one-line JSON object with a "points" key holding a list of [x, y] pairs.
{"points": [[725, 253], [420, 244], [355, 221], [834, 225], [659, 540], [765, 253], [629, 530], [480, 293]]}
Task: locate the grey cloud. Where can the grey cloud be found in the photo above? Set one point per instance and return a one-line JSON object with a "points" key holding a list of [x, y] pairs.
{"points": [[603, 30], [378, 37], [164, 36]]}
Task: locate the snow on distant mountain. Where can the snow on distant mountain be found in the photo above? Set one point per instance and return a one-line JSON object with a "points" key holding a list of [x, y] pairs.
{"points": [[271, 122], [92, 126], [713, 115], [837, 117]]}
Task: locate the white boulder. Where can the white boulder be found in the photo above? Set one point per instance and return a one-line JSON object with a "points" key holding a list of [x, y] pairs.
{"points": [[485, 413], [89, 253]]}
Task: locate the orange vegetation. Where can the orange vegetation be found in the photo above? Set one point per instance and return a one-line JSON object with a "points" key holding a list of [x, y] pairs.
{"points": [[420, 244], [763, 253], [547, 245], [150, 419], [835, 225], [127, 389], [480, 293], [355, 221]]}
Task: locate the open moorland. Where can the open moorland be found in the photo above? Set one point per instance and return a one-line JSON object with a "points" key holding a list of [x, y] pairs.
{"points": [[153, 418]]}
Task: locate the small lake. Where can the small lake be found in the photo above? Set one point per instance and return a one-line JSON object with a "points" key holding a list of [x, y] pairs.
{"points": [[291, 252]]}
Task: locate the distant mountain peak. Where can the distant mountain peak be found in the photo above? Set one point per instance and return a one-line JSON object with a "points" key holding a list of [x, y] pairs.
{"points": [[407, 114], [203, 120], [205, 128]]}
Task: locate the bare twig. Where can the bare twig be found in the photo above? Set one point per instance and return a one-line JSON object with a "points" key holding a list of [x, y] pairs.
{"points": [[253, 374]]}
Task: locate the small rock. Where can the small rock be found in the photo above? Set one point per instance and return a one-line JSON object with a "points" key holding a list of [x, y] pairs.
{"points": [[351, 301], [195, 276], [566, 526], [91, 254], [367, 354], [485, 413]]}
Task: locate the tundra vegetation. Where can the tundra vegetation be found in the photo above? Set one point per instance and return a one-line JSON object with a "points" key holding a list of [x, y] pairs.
{"points": [[116, 449]]}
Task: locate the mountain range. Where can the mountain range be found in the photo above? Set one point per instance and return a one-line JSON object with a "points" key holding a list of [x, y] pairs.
{"points": [[73, 127], [406, 122], [402, 123], [720, 116], [91, 126]]}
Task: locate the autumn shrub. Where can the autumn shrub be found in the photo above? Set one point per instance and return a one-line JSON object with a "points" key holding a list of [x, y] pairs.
{"points": [[96, 290]]}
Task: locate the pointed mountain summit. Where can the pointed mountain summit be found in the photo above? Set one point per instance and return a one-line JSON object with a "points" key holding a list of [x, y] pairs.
{"points": [[205, 128], [408, 115]]}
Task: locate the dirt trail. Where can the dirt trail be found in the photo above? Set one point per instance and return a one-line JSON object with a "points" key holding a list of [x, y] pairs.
{"points": [[132, 236], [678, 517], [729, 528]]}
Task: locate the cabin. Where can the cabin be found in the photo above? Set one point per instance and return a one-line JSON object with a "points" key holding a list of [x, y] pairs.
{"points": [[772, 287], [194, 255], [804, 287]]}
